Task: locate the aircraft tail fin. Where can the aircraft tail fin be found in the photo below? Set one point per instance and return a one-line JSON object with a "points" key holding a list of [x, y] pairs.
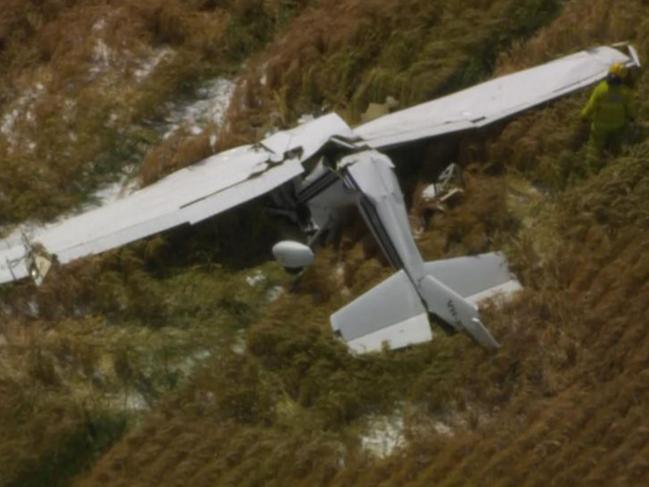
{"points": [[455, 311], [395, 313], [453, 288], [391, 313]]}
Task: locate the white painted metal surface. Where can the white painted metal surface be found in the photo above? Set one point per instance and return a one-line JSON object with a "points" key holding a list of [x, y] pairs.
{"points": [[473, 275], [253, 187], [494, 100], [293, 255], [152, 209], [310, 137], [13, 262], [456, 311], [392, 302], [383, 208], [406, 333], [187, 196]]}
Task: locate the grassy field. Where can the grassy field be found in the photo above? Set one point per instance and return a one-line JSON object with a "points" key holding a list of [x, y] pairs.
{"points": [[178, 361]]}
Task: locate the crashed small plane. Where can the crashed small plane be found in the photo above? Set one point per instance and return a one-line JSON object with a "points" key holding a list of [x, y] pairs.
{"points": [[347, 169]]}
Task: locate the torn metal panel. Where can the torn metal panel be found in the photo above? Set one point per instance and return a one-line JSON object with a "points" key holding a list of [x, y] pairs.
{"points": [[309, 137], [241, 193], [494, 100], [634, 56], [40, 266]]}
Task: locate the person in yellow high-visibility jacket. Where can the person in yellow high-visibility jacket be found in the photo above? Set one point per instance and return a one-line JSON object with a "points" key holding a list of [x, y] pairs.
{"points": [[610, 110]]}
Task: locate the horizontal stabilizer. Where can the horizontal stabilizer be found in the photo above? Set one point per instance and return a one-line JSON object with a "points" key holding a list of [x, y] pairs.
{"points": [[390, 313], [475, 278]]}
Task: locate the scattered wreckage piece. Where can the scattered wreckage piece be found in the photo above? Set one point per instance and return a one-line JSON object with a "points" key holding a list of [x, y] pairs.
{"points": [[344, 168], [446, 192]]}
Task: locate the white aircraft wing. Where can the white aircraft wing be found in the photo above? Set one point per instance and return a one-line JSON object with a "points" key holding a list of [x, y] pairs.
{"points": [[158, 207], [189, 195], [494, 100]]}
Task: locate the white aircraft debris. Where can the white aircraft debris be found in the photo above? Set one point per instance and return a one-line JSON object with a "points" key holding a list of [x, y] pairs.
{"points": [[346, 169]]}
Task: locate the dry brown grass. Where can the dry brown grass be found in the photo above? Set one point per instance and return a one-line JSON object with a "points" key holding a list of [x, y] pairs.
{"points": [[563, 403], [178, 151], [344, 55], [72, 77], [577, 28]]}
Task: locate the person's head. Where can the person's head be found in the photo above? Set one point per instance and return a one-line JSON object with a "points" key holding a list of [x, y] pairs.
{"points": [[617, 73]]}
